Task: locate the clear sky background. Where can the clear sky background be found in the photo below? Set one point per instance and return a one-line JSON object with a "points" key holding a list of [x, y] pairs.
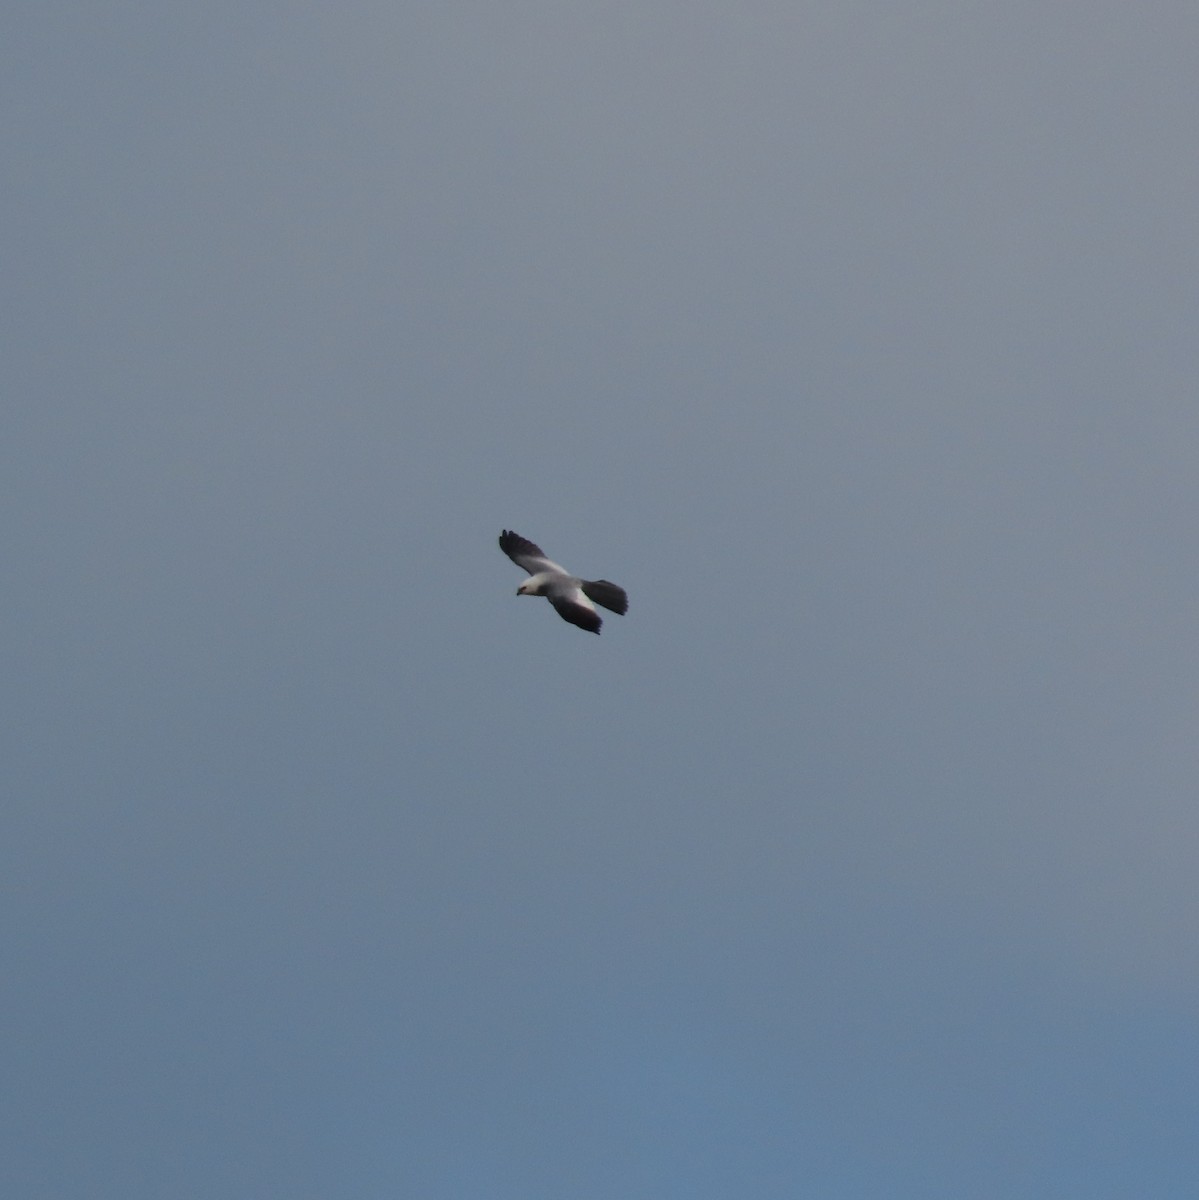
{"points": [[858, 341]]}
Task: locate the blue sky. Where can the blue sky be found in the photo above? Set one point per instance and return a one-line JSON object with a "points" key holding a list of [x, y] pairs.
{"points": [[857, 341]]}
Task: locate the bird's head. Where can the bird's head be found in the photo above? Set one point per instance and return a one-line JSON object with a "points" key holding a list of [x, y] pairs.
{"points": [[531, 586]]}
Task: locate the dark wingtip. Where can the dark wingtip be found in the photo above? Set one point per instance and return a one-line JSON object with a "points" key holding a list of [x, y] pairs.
{"points": [[511, 543], [577, 614]]}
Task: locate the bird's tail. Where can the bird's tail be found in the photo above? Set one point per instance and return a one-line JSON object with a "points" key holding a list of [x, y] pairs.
{"points": [[607, 594]]}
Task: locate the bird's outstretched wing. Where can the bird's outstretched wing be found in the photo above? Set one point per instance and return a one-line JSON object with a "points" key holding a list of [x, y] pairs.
{"points": [[528, 556], [582, 615]]}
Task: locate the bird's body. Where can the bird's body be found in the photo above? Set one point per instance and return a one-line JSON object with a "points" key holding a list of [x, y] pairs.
{"points": [[571, 597]]}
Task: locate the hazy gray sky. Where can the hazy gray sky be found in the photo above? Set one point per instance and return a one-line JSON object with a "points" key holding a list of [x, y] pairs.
{"points": [[858, 342]]}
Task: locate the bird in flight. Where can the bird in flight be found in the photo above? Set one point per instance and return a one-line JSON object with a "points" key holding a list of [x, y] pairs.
{"points": [[571, 596]]}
